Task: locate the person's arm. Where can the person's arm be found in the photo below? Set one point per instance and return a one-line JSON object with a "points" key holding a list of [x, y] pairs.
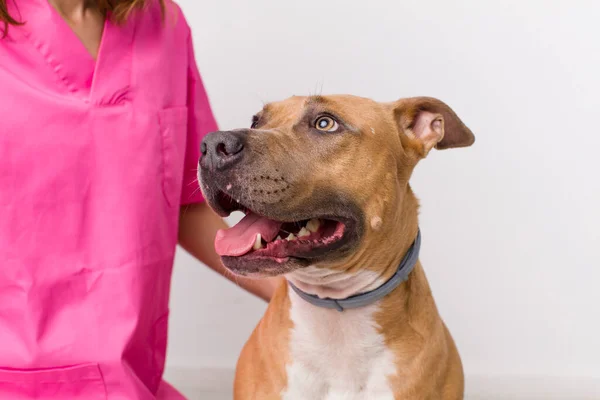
{"points": [[197, 229], [198, 223]]}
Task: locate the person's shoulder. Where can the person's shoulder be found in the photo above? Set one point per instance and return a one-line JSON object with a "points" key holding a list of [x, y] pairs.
{"points": [[165, 15], [174, 14]]}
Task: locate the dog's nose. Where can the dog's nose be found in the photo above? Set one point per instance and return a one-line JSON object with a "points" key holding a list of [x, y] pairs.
{"points": [[221, 150]]}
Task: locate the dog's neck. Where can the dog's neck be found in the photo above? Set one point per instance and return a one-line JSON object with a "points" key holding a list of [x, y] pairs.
{"points": [[333, 284]]}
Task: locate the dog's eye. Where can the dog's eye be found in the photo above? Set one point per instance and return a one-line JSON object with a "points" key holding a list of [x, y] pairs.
{"points": [[326, 124], [254, 122]]}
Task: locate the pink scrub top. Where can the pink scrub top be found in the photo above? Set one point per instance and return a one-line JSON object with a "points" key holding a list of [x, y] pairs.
{"points": [[96, 158]]}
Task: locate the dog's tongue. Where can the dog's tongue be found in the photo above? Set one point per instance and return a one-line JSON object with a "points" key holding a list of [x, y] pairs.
{"points": [[239, 239]]}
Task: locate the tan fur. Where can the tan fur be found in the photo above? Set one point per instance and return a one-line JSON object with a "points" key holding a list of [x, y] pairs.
{"points": [[272, 332], [373, 165]]}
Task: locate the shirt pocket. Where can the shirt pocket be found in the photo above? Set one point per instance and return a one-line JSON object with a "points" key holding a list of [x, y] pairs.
{"points": [[173, 131], [80, 382]]}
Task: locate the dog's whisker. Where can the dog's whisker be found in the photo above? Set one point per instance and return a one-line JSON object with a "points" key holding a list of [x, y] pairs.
{"points": [[259, 97], [234, 277], [185, 209]]}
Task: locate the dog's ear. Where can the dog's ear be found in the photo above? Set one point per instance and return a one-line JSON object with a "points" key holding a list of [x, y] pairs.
{"points": [[431, 123]]}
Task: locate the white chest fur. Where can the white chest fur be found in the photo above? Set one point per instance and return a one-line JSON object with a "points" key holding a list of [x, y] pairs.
{"points": [[337, 355]]}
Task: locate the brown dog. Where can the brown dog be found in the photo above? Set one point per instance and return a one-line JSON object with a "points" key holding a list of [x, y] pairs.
{"points": [[324, 185]]}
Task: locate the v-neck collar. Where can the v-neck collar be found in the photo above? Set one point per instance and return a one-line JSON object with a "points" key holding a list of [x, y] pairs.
{"points": [[104, 80]]}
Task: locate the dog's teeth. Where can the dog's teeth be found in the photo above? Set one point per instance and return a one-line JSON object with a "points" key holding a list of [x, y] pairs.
{"points": [[313, 225], [258, 243], [290, 237], [303, 232], [278, 237]]}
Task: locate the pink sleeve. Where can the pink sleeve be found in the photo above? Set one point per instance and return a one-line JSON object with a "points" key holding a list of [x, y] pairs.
{"points": [[201, 121]]}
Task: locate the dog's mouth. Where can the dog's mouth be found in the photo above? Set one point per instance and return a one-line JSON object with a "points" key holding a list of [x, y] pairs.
{"points": [[258, 237]]}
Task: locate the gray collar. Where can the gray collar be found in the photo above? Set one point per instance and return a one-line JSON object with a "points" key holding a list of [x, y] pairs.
{"points": [[364, 299]]}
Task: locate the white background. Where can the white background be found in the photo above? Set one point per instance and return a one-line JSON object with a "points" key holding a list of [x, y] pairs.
{"points": [[510, 225]]}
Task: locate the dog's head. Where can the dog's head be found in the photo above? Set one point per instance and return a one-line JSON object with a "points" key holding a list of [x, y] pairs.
{"points": [[320, 178]]}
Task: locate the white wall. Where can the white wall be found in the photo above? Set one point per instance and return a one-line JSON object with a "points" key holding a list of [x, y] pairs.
{"points": [[511, 242]]}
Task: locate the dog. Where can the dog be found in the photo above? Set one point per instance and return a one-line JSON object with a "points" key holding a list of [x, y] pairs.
{"points": [[324, 184]]}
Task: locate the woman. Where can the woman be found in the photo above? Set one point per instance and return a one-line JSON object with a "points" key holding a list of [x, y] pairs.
{"points": [[101, 112]]}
